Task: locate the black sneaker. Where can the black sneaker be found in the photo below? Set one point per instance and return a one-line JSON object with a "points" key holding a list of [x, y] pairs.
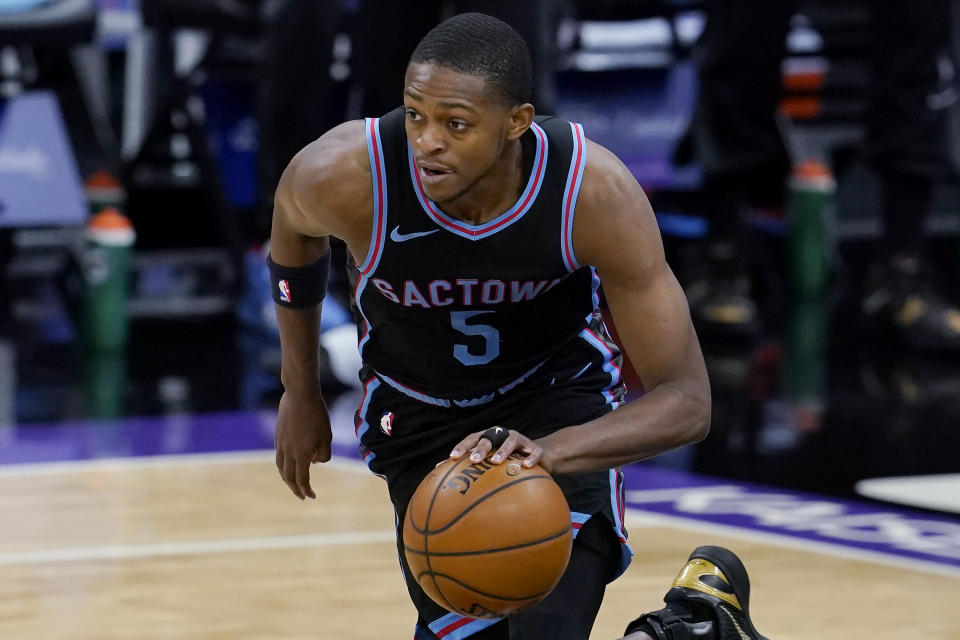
{"points": [[901, 303], [709, 600], [721, 299], [722, 307]]}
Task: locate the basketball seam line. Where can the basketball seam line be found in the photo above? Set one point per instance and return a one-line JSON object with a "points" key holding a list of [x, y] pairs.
{"points": [[427, 531], [522, 545], [482, 593], [426, 535]]}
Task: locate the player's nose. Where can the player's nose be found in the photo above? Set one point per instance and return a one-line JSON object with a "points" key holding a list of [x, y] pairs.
{"points": [[430, 140]]}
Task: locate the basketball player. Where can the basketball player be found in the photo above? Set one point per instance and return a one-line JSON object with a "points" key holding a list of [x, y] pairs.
{"points": [[477, 233]]}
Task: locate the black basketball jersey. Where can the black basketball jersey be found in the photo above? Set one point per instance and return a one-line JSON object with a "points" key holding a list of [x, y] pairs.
{"points": [[452, 313]]}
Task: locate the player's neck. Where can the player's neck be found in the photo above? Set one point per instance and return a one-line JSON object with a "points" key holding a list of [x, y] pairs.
{"points": [[495, 192]]}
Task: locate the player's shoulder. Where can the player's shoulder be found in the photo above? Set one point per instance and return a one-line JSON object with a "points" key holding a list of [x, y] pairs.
{"points": [[607, 182], [329, 177], [338, 157], [614, 227]]}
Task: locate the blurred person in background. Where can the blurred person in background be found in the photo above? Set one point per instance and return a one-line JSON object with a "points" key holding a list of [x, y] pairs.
{"points": [[391, 30], [294, 105], [735, 135]]}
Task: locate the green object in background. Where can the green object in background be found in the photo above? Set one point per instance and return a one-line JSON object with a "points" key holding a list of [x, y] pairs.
{"points": [[806, 350], [104, 382], [812, 188], [109, 239]]}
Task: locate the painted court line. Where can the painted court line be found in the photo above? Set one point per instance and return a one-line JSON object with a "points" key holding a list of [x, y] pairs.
{"points": [[198, 547], [259, 456], [637, 519]]}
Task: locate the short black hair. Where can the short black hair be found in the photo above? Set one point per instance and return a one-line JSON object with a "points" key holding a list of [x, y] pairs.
{"points": [[481, 45]]}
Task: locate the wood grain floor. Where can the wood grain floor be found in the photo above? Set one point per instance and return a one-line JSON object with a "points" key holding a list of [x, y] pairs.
{"points": [[217, 548]]}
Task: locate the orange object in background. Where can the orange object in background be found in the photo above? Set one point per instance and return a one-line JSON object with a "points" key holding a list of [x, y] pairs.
{"points": [[801, 108], [109, 218], [804, 81]]}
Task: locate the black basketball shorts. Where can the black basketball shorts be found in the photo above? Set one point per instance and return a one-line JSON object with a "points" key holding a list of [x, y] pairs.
{"points": [[403, 438]]}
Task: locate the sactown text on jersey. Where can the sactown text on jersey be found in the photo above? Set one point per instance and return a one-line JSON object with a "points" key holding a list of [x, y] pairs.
{"points": [[462, 291]]}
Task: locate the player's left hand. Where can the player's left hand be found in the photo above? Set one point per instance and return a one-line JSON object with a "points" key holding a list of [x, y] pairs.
{"points": [[501, 443]]}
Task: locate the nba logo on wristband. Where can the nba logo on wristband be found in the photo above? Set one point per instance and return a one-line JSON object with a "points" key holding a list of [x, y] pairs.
{"points": [[284, 287]]}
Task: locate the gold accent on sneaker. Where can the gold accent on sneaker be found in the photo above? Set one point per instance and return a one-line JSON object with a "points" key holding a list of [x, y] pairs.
{"points": [[743, 636], [690, 577]]}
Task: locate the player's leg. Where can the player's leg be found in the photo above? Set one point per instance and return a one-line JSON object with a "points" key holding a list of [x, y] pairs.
{"points": [[709, 600], [542, 406], [570, 610]]}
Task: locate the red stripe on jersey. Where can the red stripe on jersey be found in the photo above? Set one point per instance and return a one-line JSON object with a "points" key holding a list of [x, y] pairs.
{"points": [[462, 622], [444, 220], [567, 231], [378, 214]]}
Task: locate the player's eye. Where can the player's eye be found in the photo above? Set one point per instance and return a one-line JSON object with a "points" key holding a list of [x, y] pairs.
{"points": [[412, 115], [458, 125]]}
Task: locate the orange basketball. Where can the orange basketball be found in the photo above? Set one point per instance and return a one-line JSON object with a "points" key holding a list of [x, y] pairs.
{"points": [[487, 540]]}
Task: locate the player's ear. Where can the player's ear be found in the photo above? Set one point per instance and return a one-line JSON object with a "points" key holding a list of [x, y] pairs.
{"points": [[519, 120]]}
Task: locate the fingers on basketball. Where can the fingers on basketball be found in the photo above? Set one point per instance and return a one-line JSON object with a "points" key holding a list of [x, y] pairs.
{"points": [[486, 540]]}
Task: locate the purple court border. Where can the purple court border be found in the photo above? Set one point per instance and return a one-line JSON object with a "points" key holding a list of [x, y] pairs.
{"points": [[902, 533]]}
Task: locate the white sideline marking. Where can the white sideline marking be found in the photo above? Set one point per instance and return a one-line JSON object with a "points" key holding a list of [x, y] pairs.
{"points": [[940, 491], [264, 456], [198, 547], [641, 519], [636, 518]]}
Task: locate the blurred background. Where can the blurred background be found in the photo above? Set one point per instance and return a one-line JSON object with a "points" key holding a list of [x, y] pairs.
{"points": [[801, 157]]}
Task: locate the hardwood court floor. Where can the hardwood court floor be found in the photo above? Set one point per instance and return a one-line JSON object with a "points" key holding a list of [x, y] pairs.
{"points": [[215, 547]]}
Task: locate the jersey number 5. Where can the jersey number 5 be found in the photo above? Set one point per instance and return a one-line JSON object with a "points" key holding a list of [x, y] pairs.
{"points": [[491, 338]]}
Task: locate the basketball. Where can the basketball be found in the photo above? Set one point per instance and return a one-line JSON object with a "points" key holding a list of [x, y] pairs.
{"points": [[487, 540]]}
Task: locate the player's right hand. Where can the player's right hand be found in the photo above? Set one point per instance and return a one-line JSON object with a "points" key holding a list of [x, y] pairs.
{"points": [[303, 437]]}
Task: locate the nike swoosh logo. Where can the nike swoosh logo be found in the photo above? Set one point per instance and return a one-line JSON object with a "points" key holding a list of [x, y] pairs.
{"points": [[396, 236]]}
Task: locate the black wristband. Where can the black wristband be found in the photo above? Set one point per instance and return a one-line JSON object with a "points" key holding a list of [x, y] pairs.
{"points": [[299, 287]]}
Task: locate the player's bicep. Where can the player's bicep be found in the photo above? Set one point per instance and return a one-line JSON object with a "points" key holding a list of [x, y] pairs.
{"points": [[615, 231], [297, 237], [654, 326], [324, 191]]}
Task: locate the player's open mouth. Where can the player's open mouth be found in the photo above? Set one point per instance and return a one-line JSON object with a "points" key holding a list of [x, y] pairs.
{"points": [[433, 173]]}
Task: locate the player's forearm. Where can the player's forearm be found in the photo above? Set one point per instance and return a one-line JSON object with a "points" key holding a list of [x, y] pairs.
{"points": [[668, 416], [299, 327], [300, 348]]}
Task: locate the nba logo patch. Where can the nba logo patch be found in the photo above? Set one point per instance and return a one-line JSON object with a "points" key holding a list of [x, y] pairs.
{"points": [[285, 291], [386, 423]]}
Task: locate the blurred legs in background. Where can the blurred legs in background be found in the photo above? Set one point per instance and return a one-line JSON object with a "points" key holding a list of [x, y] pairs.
{"points": [[907, 144], [736, 137]]}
